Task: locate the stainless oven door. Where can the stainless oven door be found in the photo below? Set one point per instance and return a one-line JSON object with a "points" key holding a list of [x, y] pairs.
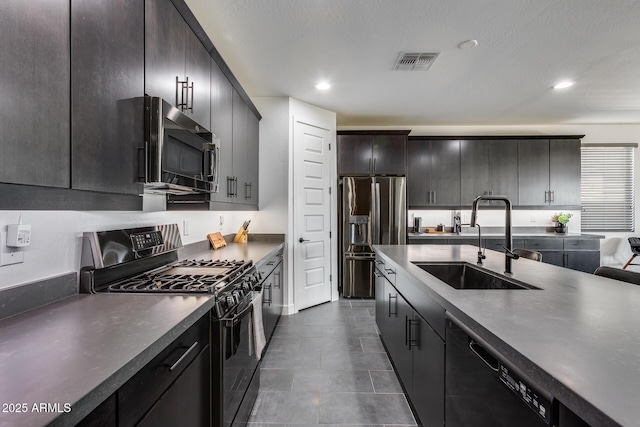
{"points": [[236, 376]]}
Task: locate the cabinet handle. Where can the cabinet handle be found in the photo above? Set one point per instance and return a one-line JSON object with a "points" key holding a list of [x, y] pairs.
{"points": [[377, 273], [379, 262], [374, 164], [178, 82], [192, 97], [229, 186], [396, 305], [552, 197], [390, 271], [267, 300], [565, 259], [189, 350], [413, 342], [546, 197], [406, 330], [277, 274], [182, 94], [247, 194], [235, 186], [434, 196]]}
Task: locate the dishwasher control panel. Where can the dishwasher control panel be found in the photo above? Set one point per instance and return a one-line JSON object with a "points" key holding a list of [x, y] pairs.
{"points": [[535, 400]]}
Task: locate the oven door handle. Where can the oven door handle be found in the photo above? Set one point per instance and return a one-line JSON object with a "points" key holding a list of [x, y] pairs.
{"points": [[231, 322]]}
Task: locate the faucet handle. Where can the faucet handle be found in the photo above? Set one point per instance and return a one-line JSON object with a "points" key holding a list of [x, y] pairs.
{"points": [[510, 253]]}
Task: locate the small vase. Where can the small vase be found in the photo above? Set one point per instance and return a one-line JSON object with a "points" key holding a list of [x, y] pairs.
{"points": [[562, 228]]}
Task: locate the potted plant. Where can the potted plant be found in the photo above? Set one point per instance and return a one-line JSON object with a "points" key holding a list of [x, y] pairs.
{"points": [[561, 221]]}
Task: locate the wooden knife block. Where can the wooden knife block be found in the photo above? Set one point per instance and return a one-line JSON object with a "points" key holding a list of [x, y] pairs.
{"points": [[241, 236]]}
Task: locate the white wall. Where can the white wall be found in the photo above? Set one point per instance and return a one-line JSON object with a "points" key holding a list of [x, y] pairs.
{"points": [[56, 244], [277, 213], [274, 164]]}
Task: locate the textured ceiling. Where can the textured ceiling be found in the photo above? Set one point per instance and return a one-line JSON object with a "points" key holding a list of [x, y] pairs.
{"points": [[284, 47]]}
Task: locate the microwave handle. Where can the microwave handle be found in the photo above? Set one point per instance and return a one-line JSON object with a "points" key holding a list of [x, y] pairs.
{"points": [[214, 165]]}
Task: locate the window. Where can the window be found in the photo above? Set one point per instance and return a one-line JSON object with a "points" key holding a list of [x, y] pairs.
{"points": [[607, 187]]}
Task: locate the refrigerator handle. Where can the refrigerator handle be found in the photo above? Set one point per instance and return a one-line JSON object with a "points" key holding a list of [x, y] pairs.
{"points": [[373, 217], [377, 224]]}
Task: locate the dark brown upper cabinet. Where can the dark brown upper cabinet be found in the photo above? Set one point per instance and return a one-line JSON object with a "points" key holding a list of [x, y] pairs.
{"points": [[488, 167], [177, 65], [549, 172], [433, 173], [107, 85], [372, 153], [35, 107]]}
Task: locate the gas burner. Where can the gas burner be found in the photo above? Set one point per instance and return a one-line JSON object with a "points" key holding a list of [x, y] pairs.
{"points": [[188, 276]]}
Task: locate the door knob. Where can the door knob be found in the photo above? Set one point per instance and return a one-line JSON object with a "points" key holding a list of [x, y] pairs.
{"points": [[302, 240]]}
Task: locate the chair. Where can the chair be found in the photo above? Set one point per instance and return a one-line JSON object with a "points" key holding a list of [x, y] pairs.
{"points": [[634, 242], [619, 274], [526, 253]]}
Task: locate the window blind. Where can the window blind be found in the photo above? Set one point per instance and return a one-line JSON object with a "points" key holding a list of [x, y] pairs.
{"points": [[607, 188]]}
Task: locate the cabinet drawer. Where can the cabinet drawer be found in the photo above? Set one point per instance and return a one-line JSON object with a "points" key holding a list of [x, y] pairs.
{"points": [[536, 244], [265, 267], [581, 244], [387, 270], [138, 394]]}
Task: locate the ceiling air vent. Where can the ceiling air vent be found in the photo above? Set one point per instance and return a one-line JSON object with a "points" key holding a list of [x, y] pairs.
{"points": [[415, 61]]}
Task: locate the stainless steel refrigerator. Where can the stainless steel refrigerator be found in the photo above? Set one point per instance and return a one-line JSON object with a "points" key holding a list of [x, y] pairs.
{"points": [[374, 212]]}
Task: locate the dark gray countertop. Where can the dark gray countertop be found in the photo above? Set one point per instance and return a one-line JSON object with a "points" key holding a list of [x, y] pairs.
{"points": [[81, 349], [469, 235], [578, 337]]}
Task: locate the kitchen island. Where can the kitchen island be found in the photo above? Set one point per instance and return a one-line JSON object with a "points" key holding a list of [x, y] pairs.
{"points": [[577, 336], [60, 361]]}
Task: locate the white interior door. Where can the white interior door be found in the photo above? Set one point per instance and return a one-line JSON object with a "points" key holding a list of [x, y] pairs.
{"points": [[312, 215]]}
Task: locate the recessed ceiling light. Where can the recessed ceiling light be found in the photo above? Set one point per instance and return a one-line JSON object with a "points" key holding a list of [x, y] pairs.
{"points": [[565, 84], [323, 86], [468, 44]]}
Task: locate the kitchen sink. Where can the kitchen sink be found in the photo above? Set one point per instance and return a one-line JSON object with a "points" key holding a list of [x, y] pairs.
{"points": [[462, 275]]}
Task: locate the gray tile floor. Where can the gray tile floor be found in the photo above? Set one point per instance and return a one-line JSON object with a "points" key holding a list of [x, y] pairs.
{"points": [[326, 365]]}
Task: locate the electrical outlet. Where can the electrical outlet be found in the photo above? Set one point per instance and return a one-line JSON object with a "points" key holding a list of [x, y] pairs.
{"points": [[221, 221], [9, 255], [532, 218]]}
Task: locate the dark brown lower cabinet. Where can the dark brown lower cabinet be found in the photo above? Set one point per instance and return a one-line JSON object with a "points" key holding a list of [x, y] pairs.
{"points": [[174, 389], [103, 416], [580, 254], [428, 372], [415, 349], [186, 402]]}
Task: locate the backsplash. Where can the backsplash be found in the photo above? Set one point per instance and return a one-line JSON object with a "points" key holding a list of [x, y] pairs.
{"points": [[56, 236], [494, 218]]}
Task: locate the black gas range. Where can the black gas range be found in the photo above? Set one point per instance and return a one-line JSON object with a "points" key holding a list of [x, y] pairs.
{"points": [[144, 261]]}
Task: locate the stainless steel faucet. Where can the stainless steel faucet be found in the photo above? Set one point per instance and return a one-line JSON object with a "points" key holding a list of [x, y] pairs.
{"points": [[508, 241]]}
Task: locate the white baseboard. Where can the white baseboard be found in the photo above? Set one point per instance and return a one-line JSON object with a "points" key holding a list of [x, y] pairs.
{"points": [[288, 310]]}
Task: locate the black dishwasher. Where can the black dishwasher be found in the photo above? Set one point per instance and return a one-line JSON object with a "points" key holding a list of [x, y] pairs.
{"points": [[483, 389]]}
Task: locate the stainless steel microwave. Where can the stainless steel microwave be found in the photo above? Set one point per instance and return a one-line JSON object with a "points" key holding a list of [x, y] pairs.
{"points": [[180, 156]]}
